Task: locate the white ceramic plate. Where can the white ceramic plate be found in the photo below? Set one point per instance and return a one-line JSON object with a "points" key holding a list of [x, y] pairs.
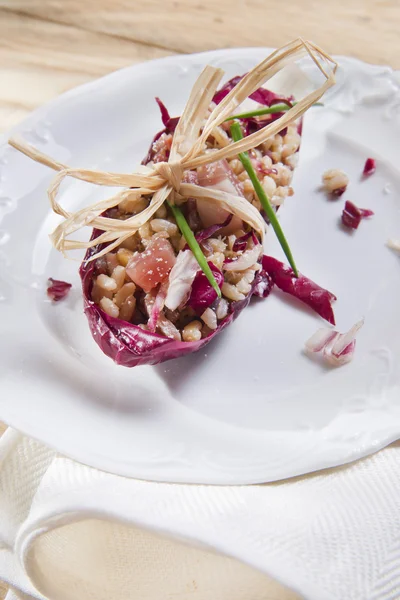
{"points": [[252, 407]]}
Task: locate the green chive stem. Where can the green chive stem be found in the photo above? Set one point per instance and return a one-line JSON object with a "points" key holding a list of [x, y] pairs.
{"points": [[194, 245], [237, 135], [275, 108]]}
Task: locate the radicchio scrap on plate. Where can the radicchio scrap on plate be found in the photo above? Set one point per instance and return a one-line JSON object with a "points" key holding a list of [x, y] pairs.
{"points": [[57, 290], [302, 288], [352, 215], [337, 348], [369, 167]]}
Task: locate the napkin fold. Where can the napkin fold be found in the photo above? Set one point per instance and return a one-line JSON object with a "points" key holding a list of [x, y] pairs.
{"points": [[68, 531]]}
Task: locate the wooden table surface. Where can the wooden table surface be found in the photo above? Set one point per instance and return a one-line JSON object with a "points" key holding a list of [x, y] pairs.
{"points": [[50, 46]]}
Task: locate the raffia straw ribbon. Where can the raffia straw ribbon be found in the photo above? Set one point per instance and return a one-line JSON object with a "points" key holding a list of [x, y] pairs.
{"points": [[160, 180]]}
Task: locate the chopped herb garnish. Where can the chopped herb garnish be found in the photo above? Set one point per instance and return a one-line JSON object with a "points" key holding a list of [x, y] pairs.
{"points": [[194, 245], [237, 135], [270, 110]]}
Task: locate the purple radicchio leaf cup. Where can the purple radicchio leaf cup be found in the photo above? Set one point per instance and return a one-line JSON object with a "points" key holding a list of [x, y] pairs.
{"points": [[130, 345]]}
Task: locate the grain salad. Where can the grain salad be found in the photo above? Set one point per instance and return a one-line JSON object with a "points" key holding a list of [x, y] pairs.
{"points": [[125, 293], [176, 253]]}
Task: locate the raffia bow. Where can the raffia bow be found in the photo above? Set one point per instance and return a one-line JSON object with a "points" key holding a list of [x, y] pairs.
{"points": [[161, 180]]}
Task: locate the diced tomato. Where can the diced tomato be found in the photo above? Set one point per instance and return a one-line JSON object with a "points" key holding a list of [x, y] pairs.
{"points": [[149, 268]]}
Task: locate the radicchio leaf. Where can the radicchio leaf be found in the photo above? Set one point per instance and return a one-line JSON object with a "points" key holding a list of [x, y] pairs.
{"points": [[203, 294], [262, 95], [302, 288], [263, 284], [169, 123], [131, 345], [206, 233], [241, 242], [352, 215], [251, 124], [224, 91], [57, 290]]}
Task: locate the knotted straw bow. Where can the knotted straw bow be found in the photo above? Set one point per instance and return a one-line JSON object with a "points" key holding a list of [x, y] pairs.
{"points": [[187, 153]]}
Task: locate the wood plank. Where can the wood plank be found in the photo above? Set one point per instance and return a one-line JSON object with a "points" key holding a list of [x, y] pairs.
{"points": [[3, 590], [41, 59], [3, 587], [367, 29]]}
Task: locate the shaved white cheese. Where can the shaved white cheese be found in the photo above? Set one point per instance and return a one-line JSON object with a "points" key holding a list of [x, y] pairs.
{"points": [[246, 260], [181, 278]]}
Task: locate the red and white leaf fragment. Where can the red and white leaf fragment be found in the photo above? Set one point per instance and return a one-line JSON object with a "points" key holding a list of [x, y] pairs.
{"points": [[169, 123], [155, 314], [337, 348], [57, 290], [318, 341], [352, 215], [157, 307], [369, 167], [181, 279]]}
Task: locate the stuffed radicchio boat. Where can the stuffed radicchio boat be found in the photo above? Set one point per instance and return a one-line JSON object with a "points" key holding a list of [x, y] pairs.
{"points": [[176, 256]]}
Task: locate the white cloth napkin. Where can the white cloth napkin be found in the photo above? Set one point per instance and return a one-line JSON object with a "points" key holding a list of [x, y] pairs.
{"points": [[70, 532]]}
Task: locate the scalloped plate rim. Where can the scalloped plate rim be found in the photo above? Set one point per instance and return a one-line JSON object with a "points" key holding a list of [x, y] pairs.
{"points": [[100, 461]]}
